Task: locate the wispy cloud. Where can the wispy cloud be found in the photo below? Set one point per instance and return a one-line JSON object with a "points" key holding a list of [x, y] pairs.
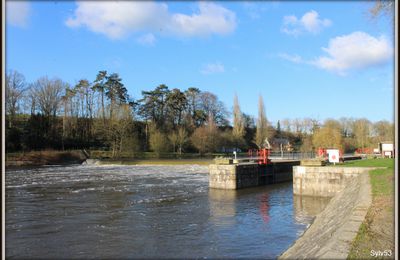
{"points": [[118, 19], [292, 58], [309, 22], [212, 68], [18, 12], [148, 39]]}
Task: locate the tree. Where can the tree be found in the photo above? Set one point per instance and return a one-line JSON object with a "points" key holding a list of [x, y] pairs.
{"points": [[191, 95], [210, 105], [153, 105], [173, 139], [307, 144], [182, 139], [361, 130], [176, 104], [346, 126], [206, 138], [158, 141], [119, 127], [383, 131], [178, 139], [383, 7], [48, 94], [286, 124], [199, 139], [48, 97], [262, 125], [327, 137], [115, 92], [99, 86], [15, 86], [278, 129], [238, 130]]}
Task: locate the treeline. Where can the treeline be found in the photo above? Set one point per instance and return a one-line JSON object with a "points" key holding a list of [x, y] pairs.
{"points": [[100, 115]]}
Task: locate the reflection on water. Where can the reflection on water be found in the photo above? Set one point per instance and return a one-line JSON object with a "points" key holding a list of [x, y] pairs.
{"points": [[222, 206], [307, 207], [146, 212]]}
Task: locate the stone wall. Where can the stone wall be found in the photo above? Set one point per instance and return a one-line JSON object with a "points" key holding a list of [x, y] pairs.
{"points": [[233, 176], [323, 181], [333, 230], [222, 176], [244, 175]]}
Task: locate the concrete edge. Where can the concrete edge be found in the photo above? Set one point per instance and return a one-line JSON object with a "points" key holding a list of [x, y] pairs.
{"points": [[339, 244]]}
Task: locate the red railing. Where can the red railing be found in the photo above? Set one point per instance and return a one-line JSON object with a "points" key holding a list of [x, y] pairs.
{"points": [[262, 155]]}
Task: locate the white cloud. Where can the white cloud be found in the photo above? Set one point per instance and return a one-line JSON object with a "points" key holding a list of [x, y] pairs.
{"points": [[118, 19], [213, 68], [292, 58], [357, 50], [17, 13], [309, 22], [148, 39]]}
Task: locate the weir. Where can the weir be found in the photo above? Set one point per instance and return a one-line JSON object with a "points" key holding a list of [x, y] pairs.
{"points": [[232, 175]]}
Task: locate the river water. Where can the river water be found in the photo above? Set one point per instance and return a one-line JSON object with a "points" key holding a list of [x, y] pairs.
{"points": [[147, 212]]}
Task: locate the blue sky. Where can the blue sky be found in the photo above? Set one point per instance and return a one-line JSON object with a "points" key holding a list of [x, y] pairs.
{"points": [[307, 59]]}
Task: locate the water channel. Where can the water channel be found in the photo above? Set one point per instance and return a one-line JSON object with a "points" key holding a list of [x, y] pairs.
{"points": [[147, 212]]}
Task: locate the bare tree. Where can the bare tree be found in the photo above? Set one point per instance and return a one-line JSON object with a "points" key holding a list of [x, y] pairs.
{"points": [[173, 139], [286, 125], [182, 138], [119, 126], [206, 138], [383, 7], [383, 131], [48, 93], [361, 130], [15, 87], [178, 139], [158, 141], [210, 105]]}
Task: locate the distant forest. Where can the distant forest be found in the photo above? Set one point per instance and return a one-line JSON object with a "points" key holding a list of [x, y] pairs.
{"points": [[100, 115]]}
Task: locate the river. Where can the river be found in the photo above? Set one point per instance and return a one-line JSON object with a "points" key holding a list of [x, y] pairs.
{"points": [[147, 212]]}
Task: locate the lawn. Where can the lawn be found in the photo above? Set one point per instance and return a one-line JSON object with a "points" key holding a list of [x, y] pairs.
{"points": [[376, 234]]}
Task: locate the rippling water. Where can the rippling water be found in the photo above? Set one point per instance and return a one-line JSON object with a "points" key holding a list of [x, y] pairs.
{"points": [[147, 212]]}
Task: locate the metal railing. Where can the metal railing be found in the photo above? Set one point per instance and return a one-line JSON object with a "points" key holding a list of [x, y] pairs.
{"points": [[291, 155]]}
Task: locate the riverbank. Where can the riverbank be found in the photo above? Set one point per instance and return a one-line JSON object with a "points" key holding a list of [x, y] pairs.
{"points": [[359, 220], [40, 158], [151, 162]]}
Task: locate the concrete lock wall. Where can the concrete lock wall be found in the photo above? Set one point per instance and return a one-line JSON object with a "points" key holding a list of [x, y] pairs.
{"points": [[232, 176], [222, 176], [333, 230], [323, 181], [244, 175]]}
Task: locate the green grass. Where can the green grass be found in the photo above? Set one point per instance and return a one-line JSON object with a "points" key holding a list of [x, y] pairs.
{"points": [[363, 236], [382, 180], [382, 187], [382, 162]]}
